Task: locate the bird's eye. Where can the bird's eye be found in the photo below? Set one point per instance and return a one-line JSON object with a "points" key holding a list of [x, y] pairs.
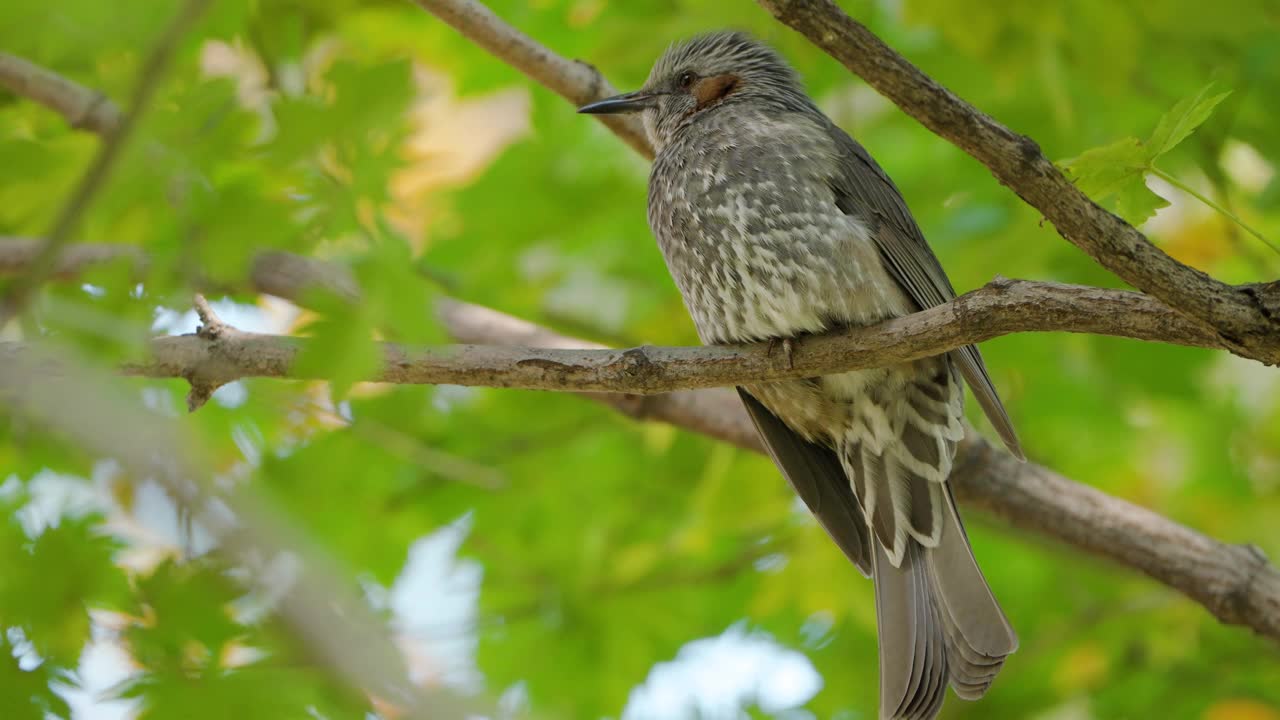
{"points": [[686, 79]]}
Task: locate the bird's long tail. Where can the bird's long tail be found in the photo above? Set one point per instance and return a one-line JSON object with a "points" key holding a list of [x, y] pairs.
{"points": [[939, 623]]}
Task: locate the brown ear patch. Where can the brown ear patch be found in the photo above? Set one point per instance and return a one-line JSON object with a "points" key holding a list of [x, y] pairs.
{"points": [[713, 89]]}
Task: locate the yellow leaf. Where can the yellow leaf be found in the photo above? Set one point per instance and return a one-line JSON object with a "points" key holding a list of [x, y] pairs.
{"points": [[1241, 709], [634, 562], [1083, 667]]}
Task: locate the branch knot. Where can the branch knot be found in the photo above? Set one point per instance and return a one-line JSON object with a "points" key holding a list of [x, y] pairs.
{"points": [[637, 364], [1236, 600], [205, 380]]}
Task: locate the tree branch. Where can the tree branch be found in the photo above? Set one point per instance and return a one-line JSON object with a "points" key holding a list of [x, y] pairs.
{"points": [[1235, 583], [1245, 316], [17, 255], [218, 353], [83, 108]]}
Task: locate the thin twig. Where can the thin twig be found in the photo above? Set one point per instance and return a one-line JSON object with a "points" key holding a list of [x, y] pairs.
{"points": [[64, 227], [204, 380], [82, 107]]}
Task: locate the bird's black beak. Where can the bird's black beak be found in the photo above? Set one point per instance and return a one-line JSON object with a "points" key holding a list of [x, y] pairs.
{"points": [[628, 103]]}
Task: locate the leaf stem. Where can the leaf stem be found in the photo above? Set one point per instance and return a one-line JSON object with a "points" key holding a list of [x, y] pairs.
{"points": [[1193, 193]]}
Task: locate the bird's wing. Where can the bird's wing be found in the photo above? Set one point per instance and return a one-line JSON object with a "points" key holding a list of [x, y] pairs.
{"points": [[862, 189], [815, 473]]}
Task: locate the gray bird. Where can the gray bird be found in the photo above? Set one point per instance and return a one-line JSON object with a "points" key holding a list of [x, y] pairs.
{"points": [[775, 223]]}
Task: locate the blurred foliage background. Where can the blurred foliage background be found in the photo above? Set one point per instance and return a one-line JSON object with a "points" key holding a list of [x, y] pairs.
{"points": [[543, 551]]}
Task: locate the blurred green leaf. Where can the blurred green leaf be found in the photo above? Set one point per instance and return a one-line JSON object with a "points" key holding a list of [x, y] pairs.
{"points": [[341, 349], [52, 608], [27, 689]]}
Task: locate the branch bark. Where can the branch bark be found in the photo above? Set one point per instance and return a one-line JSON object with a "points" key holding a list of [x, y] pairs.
{"points": [[1246, 316], [1002, 307], [219, 354], [83, 108]]}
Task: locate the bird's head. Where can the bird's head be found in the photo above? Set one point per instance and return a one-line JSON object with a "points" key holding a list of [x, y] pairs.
{"points": [[721, 72]]}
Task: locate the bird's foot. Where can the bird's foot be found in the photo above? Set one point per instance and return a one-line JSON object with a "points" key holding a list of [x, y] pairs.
{"points": [[788, 348]]}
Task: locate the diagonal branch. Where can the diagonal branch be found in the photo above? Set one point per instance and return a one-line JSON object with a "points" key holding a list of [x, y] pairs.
{"points": [[1247, 316], [82, 107]]}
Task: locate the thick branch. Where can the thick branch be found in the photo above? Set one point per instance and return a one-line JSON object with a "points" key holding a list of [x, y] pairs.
{"points": [[1244, 315], [1234, 582], [211, 358]]}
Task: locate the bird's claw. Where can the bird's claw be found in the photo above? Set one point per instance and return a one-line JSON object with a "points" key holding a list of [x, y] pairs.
{"points": [[787, 350]]}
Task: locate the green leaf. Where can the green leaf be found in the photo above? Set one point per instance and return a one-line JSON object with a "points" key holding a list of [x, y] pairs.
{"points": [[342, 350], [1182, 120], [369, 97], [255, 692], [52, 608], [1117, 172], [184, 603], [27, 693]]}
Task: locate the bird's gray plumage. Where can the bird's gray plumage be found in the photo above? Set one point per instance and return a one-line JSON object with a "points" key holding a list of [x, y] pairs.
{"points": [[776, 223]]}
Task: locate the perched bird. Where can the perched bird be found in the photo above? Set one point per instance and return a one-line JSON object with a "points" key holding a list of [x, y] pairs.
{"points": [[775, 223]]}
